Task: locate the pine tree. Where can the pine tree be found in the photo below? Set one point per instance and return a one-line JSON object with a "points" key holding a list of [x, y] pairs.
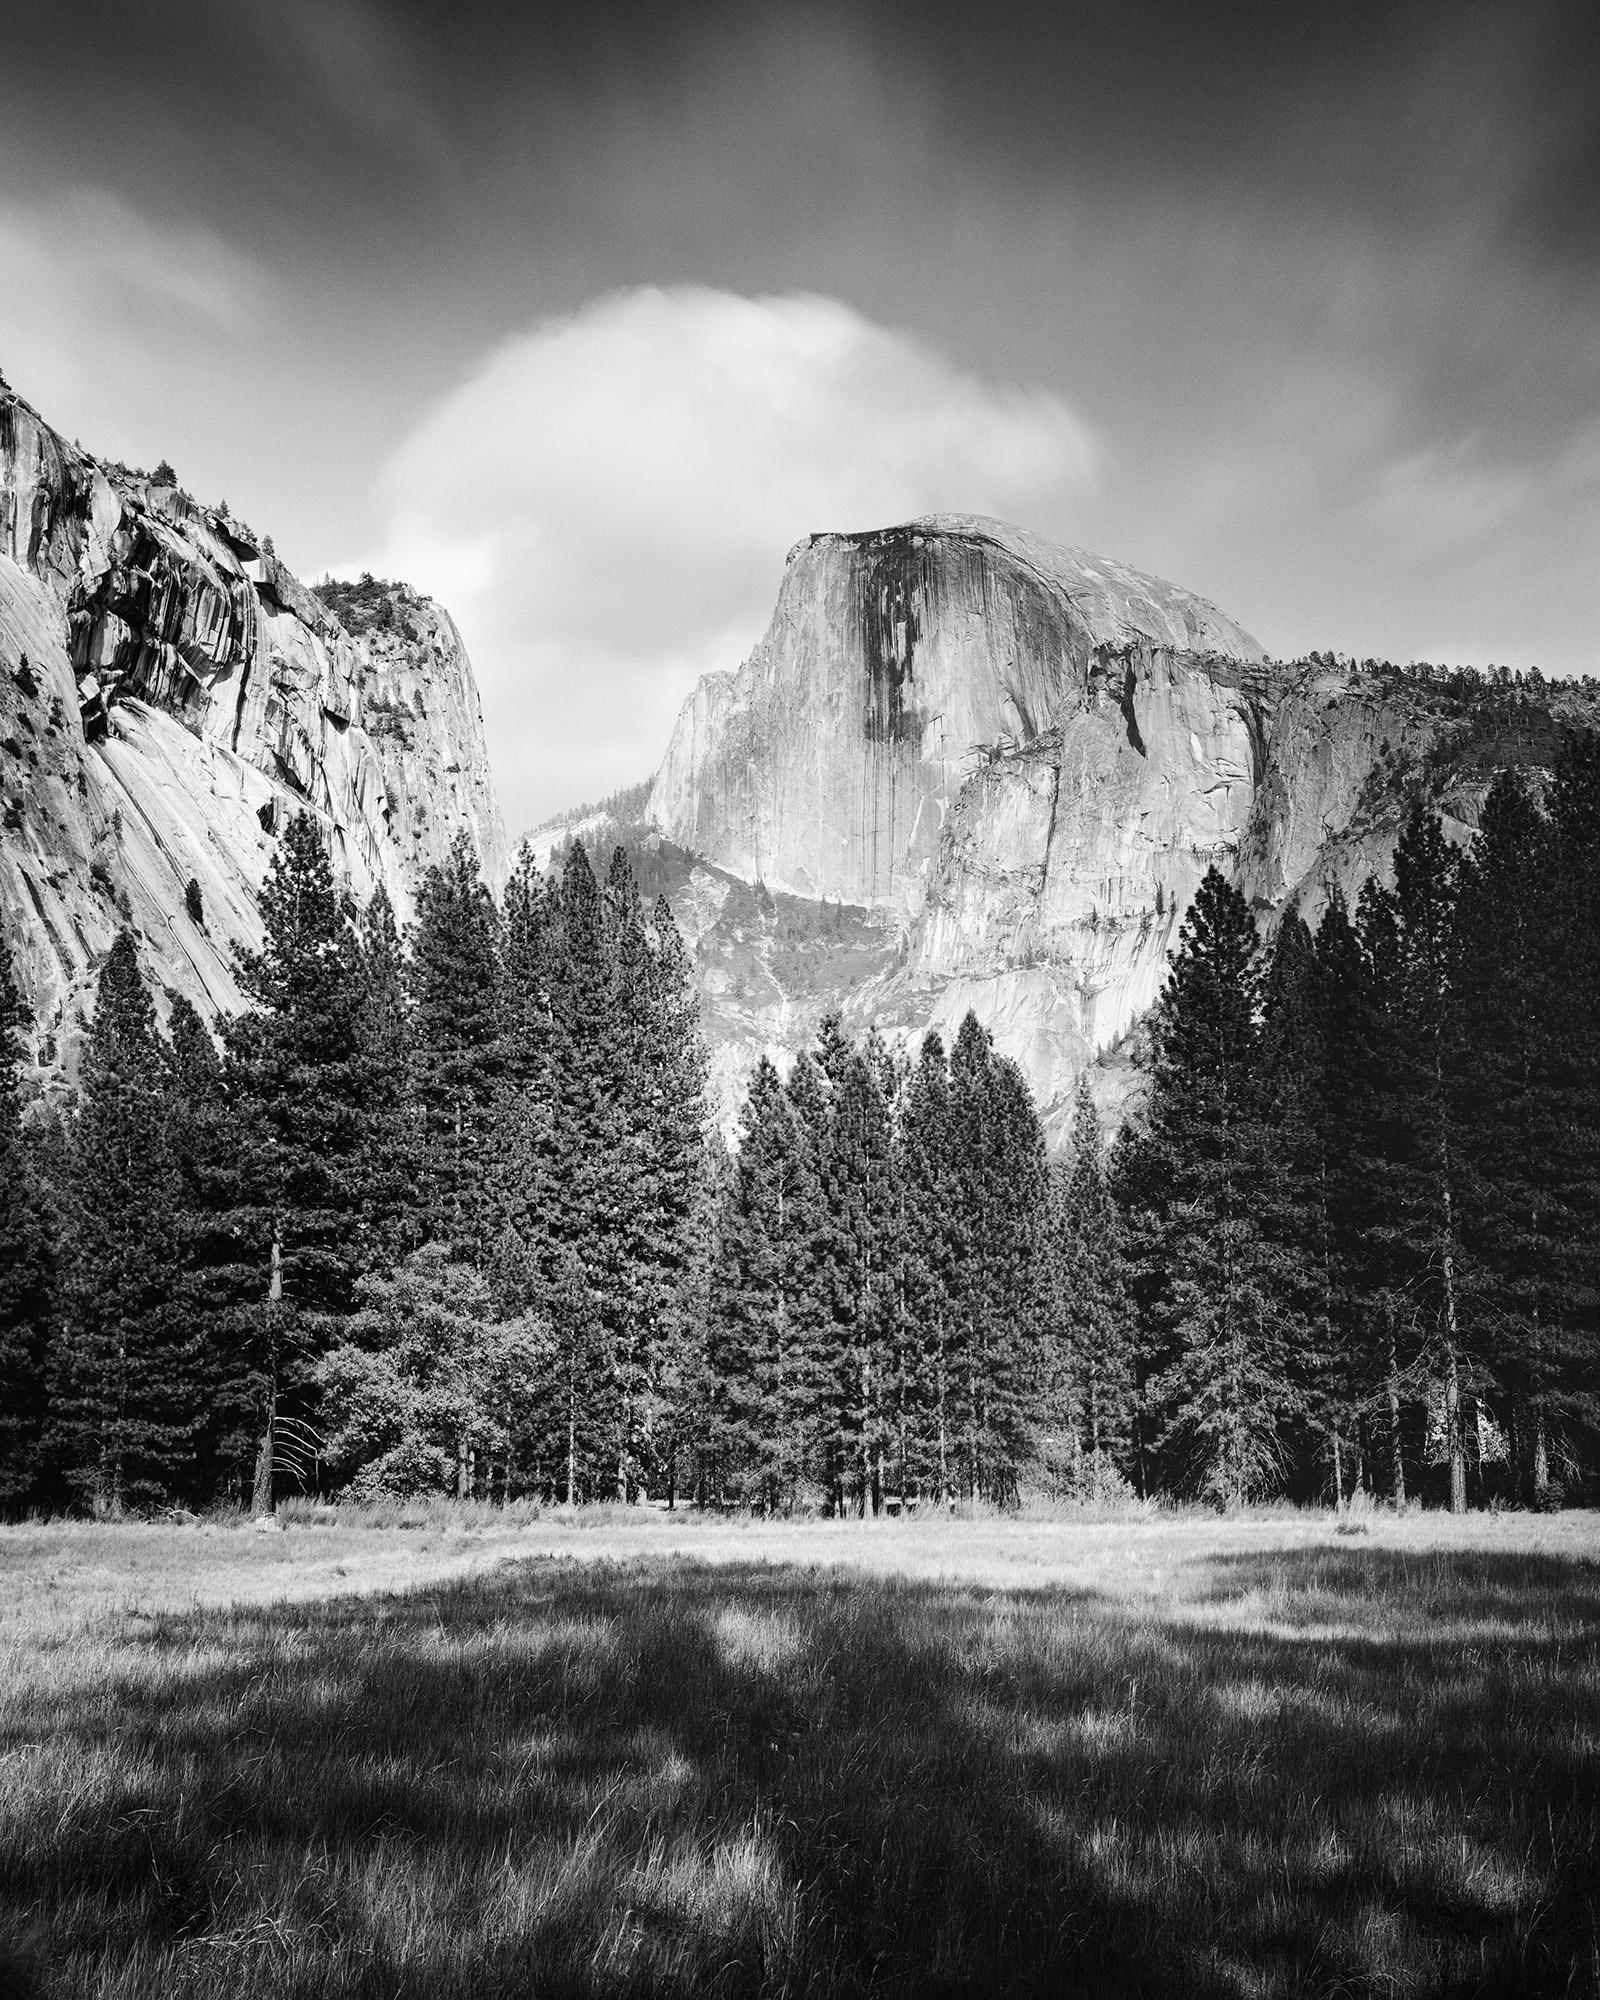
{"points": [[1427, 1051], [1297, 1215], [1357, 1383], [931, 1253], [582, 1399], [639, 1292], [522, 1159], [1087, 1320], [812, 1353], [676, 1236], [750, 1332], [391, 1223], [205, 1149], [1225, 1295], [862, 1206], [1571, 1387], [1511, 1112], [457, 1026], [124, 1405], [999, 1190], [1378, 1124], [26, 1266], [297, 1076]]}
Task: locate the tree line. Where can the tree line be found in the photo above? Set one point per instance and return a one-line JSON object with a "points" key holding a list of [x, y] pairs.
{"points": [[447, 1214], [426, 1216]]}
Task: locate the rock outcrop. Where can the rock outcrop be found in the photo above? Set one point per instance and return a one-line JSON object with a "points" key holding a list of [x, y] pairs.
{"points": [[1013, 763], [169, 695]]}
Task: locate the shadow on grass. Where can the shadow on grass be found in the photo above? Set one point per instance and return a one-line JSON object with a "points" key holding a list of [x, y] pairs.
{"points": [[1340, 1771]]}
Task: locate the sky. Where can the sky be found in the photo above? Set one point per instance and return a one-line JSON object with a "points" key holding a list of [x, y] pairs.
{"points": [[580, 316]]}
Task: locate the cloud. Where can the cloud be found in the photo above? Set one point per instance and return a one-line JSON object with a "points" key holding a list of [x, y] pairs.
{"points": [[606, 504], [95, 291], [1451, 500]]}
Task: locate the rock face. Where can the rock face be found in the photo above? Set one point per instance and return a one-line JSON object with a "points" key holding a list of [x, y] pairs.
{"points": [[1014, 763], [169, 695]]}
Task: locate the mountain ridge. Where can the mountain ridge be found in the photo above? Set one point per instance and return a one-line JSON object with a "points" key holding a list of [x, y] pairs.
{"points": [[169, 693], [1014, 763]]}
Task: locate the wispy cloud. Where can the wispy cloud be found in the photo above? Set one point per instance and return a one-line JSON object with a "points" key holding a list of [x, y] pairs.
{"points": [[89, 281], [605, 506], [1451, 499]]}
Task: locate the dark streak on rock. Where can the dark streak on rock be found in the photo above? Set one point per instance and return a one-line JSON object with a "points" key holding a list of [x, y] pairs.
{"points": [[61, 952], [1129, 713], [893, 581]]}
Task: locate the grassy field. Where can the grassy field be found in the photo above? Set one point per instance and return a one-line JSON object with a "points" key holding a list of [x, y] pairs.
{"points": [[456, 1753]]}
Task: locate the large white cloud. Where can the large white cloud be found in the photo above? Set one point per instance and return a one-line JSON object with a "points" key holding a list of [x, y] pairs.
{"points": [[606, 505]]}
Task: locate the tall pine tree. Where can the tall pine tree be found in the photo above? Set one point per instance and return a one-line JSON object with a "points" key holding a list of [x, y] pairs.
{"points": [[124, 1395], [299, 1084], [1088, 1322], [457, 1026], [26, 1266], [1225, 1295]]}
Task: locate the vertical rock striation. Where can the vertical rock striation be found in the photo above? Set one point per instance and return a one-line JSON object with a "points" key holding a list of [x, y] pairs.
{"points": [[169, 693]]}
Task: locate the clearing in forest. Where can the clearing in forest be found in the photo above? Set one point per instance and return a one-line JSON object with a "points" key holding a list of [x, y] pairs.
{"points": [[486, 1754]]}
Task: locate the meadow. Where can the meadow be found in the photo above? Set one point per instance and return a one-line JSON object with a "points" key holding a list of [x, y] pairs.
{"points": [[450, 1751]]}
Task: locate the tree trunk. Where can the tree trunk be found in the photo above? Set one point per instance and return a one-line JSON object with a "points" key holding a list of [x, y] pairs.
{"points": [[1338, 1476], [944, 1448], [1392, 1390], [1458, 1443], [1452, 1390], [572, 1442], [261, 1492]]}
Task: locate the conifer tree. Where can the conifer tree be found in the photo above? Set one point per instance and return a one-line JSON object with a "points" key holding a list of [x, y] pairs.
{"points": [[676, 1235], [581, 1401], [639, 1291], [26, 1266], [1379, 1128], [593, 1171], [391, 1223], [1511, 1112], [1357, 1334], [862, 1209], [205, 1149], [1572, 1384], [457, 1026], [297, 1077], [999, 1184], [1427, 1051], [124, 1406], [1088, 1322], [521, 1167], [1297, 1215], [932, 1251], [1224, 1293], [812, 1362], [750, 1335]]}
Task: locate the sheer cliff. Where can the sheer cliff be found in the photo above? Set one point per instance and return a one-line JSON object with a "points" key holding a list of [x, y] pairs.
{"points": [[1011, 763], [169, 694]]}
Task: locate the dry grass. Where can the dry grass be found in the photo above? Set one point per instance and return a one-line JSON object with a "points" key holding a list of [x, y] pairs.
{"points": [[654, 1755]]}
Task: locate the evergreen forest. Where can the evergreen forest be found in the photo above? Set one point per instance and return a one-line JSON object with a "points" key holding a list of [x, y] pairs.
{"points": [[446, 1213]]}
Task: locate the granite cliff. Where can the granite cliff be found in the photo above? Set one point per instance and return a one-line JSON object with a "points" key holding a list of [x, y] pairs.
{"points": [[1004, 766], [169, 695]]}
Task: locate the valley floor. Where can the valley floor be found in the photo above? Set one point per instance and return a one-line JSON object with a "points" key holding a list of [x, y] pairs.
{"points": [[451, 1751]]}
